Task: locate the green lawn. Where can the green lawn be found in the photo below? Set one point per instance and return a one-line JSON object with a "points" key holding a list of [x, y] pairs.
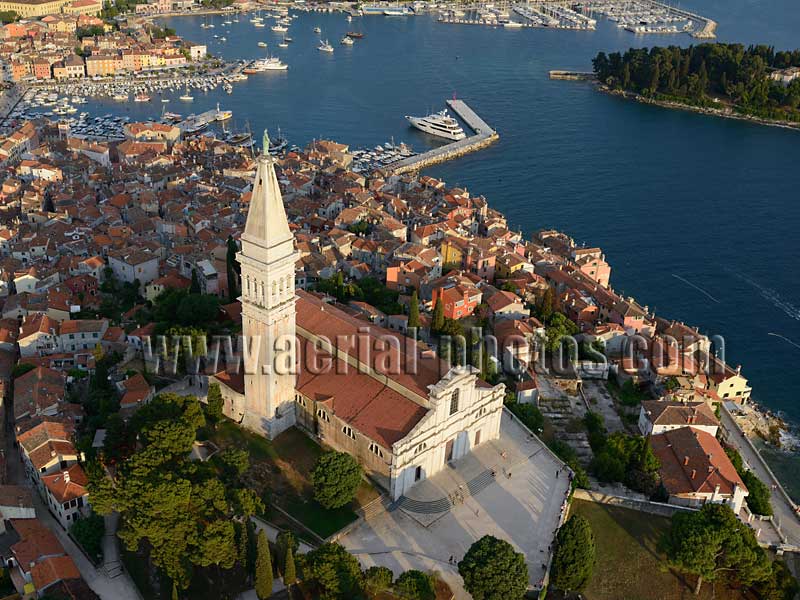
{"points": [[281, 473], [629, 567]]}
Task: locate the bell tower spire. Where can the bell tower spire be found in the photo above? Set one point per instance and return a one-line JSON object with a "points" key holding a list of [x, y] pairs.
{"points": [[268, 259]]}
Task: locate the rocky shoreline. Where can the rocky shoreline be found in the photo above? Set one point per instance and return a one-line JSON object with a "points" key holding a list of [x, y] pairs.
{"points": [[725, 113]]}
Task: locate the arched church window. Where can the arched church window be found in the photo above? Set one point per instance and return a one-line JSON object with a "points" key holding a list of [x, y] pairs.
{"points": [[348, 431], [376, 450]]}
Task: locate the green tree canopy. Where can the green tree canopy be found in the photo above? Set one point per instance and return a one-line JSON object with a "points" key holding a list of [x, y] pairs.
{"points": [[264, 577], [181, 510], [492, 570], [214, 404], [378, 579], [415, 585], [712, 544], [332, 572], [336, 478], [413, 311], [289, 571], [574, 556], [437, 319]]}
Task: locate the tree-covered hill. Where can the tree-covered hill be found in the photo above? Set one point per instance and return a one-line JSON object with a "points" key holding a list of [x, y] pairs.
{"points": [[715, 75]]}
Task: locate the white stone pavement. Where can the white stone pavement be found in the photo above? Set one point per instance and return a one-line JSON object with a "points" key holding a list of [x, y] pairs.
{"points": [[524, 509]]}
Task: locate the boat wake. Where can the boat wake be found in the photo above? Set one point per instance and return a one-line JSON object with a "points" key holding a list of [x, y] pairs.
{"points": [[697, 287], [784, 338], [774, 297]]}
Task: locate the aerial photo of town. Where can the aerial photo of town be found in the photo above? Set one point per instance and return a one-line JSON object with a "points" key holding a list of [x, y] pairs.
{"points": [[401, 300]]}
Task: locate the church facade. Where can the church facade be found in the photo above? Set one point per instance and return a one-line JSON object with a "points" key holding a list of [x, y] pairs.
{"points": [[395, 406]]}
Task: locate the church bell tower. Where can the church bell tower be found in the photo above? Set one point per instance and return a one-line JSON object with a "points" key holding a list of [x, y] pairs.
{"points": [[267, 262]]}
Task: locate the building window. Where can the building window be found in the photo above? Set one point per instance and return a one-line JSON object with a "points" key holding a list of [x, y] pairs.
{"points": [[347, 430], [420, 448], [454, 402], [375, 449], [323, 416], [417, 473]]}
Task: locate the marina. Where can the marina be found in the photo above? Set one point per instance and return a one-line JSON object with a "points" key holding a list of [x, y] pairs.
{"points": [[634, 16], [60, 100], [483, 136]]}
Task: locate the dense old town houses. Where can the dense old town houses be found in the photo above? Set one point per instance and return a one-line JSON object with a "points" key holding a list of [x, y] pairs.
{"points": [[360, 388]]}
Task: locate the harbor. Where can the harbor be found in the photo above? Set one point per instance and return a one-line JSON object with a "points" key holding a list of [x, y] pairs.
{"points": [[635, 16], [483, 136]]}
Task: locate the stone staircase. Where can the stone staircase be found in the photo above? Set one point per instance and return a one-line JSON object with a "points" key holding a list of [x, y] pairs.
{"points": [[443, 505], [113, 569]]}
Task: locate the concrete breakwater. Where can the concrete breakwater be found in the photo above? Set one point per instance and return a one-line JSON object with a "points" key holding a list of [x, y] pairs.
{"points": [[484, 136]]}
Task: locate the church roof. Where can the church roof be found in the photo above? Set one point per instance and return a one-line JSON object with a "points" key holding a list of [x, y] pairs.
{"points": [[408, 367], [363, 402], [266, 218]]}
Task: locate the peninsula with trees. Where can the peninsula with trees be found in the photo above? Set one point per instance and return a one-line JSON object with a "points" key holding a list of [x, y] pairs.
{"points": [[755, 83]]}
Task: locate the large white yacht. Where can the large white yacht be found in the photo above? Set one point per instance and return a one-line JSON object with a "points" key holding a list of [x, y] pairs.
{"points": [[439, 124], [269, 64]]}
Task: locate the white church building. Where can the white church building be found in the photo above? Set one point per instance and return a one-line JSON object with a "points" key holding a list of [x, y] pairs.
{"points": [[402, 412]]}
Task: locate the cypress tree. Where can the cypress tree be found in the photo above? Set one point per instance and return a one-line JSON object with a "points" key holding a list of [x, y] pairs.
{"points": [[263, 568], [233, 269], [437, 321], [413, 311], [194, 288], [289, 572], [574, 556]]}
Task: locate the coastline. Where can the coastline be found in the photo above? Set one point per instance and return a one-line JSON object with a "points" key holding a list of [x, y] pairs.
{"points": [[713, 112]]}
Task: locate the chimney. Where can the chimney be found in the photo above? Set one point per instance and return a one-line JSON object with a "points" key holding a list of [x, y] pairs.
{"points": [[66, 476], [694, 472], [686, 460]]}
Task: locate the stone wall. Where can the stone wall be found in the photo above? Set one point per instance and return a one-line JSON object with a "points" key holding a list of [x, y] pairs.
{"points": [[654, 508]]}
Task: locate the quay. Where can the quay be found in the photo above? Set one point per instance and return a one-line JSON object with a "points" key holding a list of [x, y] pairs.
{"points": [[484, 136], [197, 121], [572, 75]]}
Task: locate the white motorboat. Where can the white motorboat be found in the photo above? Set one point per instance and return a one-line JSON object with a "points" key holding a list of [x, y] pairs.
{"points": [[324, 46], [439, 124]]}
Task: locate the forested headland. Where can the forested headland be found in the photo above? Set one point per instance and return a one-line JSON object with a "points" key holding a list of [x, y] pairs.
{"points": [[728, 77]]}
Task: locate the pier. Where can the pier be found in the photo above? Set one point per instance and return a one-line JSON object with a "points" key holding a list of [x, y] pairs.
{"points": [[572, 75], [484, 136]]}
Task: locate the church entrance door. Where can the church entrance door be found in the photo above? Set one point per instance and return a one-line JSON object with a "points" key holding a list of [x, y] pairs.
{"points": [[448, 451]]}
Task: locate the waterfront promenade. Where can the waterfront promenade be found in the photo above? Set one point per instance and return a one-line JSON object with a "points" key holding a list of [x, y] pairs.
{"points": [[784, 509]]}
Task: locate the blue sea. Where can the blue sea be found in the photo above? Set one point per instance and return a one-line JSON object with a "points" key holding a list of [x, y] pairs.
{"points": [[698, 216]]}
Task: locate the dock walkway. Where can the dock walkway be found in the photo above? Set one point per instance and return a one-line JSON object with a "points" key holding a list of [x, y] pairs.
{"points": [[484, 136]]}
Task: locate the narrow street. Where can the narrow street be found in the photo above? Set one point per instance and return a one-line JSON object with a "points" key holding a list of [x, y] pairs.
{"points": [[118, 588]]}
